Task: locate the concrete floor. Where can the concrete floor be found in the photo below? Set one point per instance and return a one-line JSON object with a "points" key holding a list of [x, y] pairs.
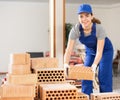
{"points": [[116, 83]]}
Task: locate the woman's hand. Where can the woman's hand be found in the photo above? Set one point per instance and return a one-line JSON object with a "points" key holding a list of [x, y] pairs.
{"points": [[94, 68], [66, 67]]}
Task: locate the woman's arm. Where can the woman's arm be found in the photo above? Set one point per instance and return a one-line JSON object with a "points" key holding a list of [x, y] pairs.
{"points": [[100, 46], [68, 51]]}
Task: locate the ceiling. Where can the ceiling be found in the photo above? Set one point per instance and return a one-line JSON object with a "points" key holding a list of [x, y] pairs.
{"points": [[97, 2]]}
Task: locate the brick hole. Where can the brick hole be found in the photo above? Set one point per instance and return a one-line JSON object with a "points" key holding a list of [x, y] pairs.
{"points": [[66, 97], [55, 91], [49, 77], [72, 94], [45, 71], [70, 97], [38, 72], [61, 94], [42, 72], [51, 98], [56, 94], [74, 97], [41, 77], [55, 76], [48, 71], [68, 94], [58, 76], [51, 71], [61, 74], [66, 91], [47, 99], [52, 77], [53, 95], [49, 95], [74, 90]]}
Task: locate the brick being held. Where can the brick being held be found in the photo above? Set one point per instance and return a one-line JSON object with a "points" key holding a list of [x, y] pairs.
{"points": [[80, 72]]}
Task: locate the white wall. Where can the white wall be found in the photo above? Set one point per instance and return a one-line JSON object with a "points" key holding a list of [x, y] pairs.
{"points": [[23, 27], [109, 16], [110, 19]]}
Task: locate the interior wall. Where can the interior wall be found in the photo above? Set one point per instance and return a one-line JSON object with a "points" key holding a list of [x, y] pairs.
{"points": [[23, 28], [109, 16]]}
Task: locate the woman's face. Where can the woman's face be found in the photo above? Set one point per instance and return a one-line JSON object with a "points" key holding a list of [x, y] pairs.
{"points": [[85, 19]]}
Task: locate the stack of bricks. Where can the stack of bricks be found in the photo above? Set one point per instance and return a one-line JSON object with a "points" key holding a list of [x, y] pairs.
{"points": [[51, 80], [105, 96], [21, 83], [19, 64]]}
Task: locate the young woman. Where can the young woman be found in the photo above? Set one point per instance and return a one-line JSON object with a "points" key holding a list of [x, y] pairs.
{"points": [[99, 49]]}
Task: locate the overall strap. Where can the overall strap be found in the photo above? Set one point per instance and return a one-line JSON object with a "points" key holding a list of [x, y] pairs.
{"points": [[94, 29]]}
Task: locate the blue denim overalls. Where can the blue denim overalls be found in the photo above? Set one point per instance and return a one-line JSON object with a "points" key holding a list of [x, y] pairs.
{"points": [[105, 64]]}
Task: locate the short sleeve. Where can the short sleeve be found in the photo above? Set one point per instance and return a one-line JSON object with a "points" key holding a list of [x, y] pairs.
{"points": [[100, 32], [74, 33]]}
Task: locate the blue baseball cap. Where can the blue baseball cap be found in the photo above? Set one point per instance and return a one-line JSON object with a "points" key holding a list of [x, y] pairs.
{"points": [[84, 8]]}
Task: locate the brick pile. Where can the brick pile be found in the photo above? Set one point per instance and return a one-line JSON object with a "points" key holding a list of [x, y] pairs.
{"points": [[51, 80], [21, 82]]}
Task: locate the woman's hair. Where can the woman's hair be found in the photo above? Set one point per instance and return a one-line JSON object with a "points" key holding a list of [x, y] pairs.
{"points": [[95, 20]]}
